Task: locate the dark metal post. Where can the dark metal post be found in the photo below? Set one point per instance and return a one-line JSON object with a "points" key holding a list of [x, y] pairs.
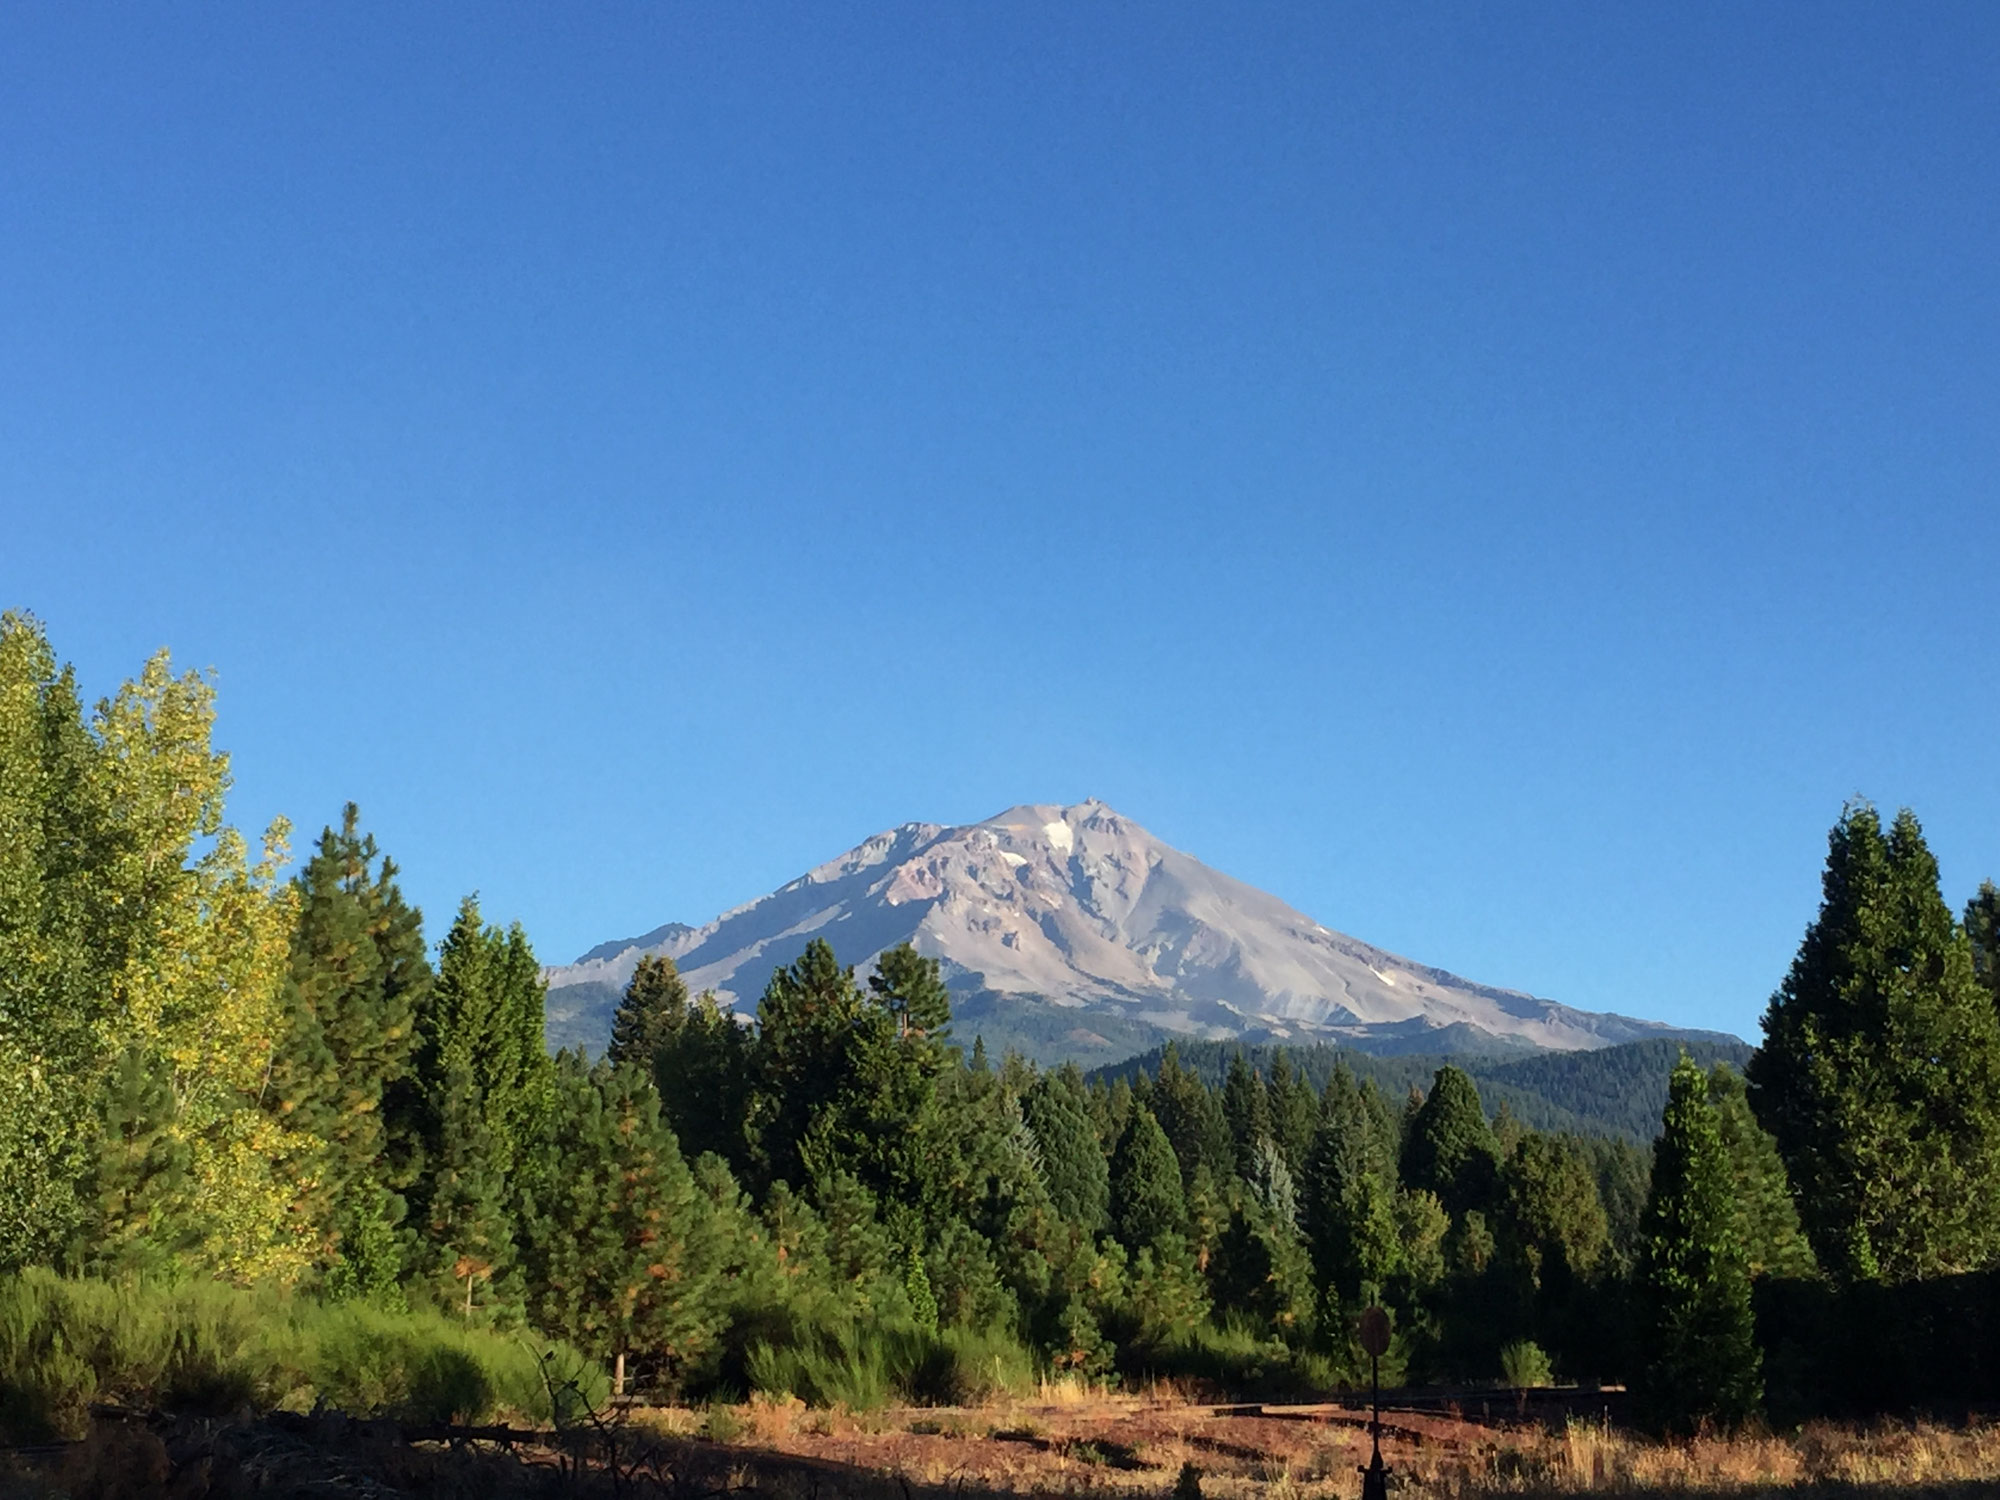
{"points": [[1375, 1478]]}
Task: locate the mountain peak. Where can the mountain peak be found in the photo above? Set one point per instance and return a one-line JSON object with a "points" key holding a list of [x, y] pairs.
{"points": [[1080, 917]]}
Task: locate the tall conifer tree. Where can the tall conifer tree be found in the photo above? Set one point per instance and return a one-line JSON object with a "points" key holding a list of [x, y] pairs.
{"points": [[1449, 1148], [1982, 927], [1767, 1220], [1294, 1113], [482, 1085], [616, 1255], [1879, 1075], [1192, 1118], [358, 972], [803, 1057], [1077, 1174], [1146, 1195], [650, 1014], [1246, 1106], [704, 1073], [1698, 1336]]}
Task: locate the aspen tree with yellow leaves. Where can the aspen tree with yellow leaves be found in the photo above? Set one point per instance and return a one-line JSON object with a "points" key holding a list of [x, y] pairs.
{"points": [[204, 931], [51, 969]]}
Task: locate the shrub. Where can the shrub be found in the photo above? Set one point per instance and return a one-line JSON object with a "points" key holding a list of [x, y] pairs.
{"points": [[1523, 1364], [202, 1346]]}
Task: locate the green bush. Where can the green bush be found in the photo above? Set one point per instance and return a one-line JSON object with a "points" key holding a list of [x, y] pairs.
{"points": [[835, 1364], [862, 1366], [1229, 1358], [205, 1347], [983, 1365], [1523, 1364]]}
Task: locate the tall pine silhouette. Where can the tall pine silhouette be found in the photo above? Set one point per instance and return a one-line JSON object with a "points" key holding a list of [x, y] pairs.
{"points": [[1694, 1282], [1879, 1075]]}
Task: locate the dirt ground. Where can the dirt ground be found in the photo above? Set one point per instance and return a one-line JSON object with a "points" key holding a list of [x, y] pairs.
{"points": [[1074, 1443], [1110, 1445]]}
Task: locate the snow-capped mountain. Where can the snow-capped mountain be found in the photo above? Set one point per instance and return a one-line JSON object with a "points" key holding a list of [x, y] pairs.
{"points": [[1072, 930]]}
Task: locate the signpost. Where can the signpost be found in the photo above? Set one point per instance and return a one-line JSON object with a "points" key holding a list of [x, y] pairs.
{"points": [[1374, 1331]]}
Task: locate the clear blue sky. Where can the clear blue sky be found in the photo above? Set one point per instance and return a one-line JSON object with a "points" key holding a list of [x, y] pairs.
{"points": [[1498, 477]]}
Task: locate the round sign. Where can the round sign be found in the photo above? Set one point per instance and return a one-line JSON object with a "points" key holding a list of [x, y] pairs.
{"points": [[1374, 1331]]}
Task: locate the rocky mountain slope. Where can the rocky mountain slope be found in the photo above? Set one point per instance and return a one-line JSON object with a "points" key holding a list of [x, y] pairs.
{"points": [[1072, 931]]}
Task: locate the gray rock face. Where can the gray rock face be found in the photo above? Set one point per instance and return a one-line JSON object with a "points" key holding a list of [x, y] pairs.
{"points": [[1081, 909]]}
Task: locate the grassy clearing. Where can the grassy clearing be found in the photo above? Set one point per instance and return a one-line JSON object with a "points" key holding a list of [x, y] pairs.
{"points": [[200, 1346], [1103, 1443], [864, 1367], [1819, 1459]]}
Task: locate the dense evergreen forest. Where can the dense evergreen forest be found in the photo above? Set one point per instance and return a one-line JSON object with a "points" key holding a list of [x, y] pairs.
{"points": [[216, 1072], [1617, 1091]]}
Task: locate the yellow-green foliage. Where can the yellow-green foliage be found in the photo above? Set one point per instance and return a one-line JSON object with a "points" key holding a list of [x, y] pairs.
{"points": [[205, 1346], [861, 1366]]}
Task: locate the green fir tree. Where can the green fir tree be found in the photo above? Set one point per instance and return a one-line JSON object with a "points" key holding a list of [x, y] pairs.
{"points": [[1246, 1107], [651, 1013], [1056, 1109], [357, 973], [1982, 928], [1879, 1076], [1767, 1220], [615, 1252], [1147, 1201], [1449, 1147], [1702, 1362]]}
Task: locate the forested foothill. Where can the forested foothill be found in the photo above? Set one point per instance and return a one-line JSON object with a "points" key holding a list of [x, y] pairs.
{"points": [[259, 1140]]}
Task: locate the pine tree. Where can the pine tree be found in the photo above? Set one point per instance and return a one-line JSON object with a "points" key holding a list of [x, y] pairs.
{"points": [[1982, 927], [1550, 1234], [1422, 1227], [802, 1059], [1247, 1109], [141, 1220], [912, 989], [482, 1083], [1147, 1200], [1192, 1118], [1623, 1172], [651, 1013], [1348, 1192], [614, 1249], [1549, 1219], [703, 1070], [1272, 1185], [863, 1257], [1879, 1075], [467, 1258], [1767, 1220], [1449, 1148], [1075, 1169], [887, 1123], [484, 1016], [358, 970], [1702, 1358], [1294, 1113], [1261, 1268]]}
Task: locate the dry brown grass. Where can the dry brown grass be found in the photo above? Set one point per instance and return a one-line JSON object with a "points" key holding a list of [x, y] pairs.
{"points": [[1588, 1459], [1084, 1440], [1092, 1445]]}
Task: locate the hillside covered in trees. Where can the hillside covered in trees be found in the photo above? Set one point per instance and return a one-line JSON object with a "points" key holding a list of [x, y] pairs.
{"points": [[213, 1070], [1613, 1091]]}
